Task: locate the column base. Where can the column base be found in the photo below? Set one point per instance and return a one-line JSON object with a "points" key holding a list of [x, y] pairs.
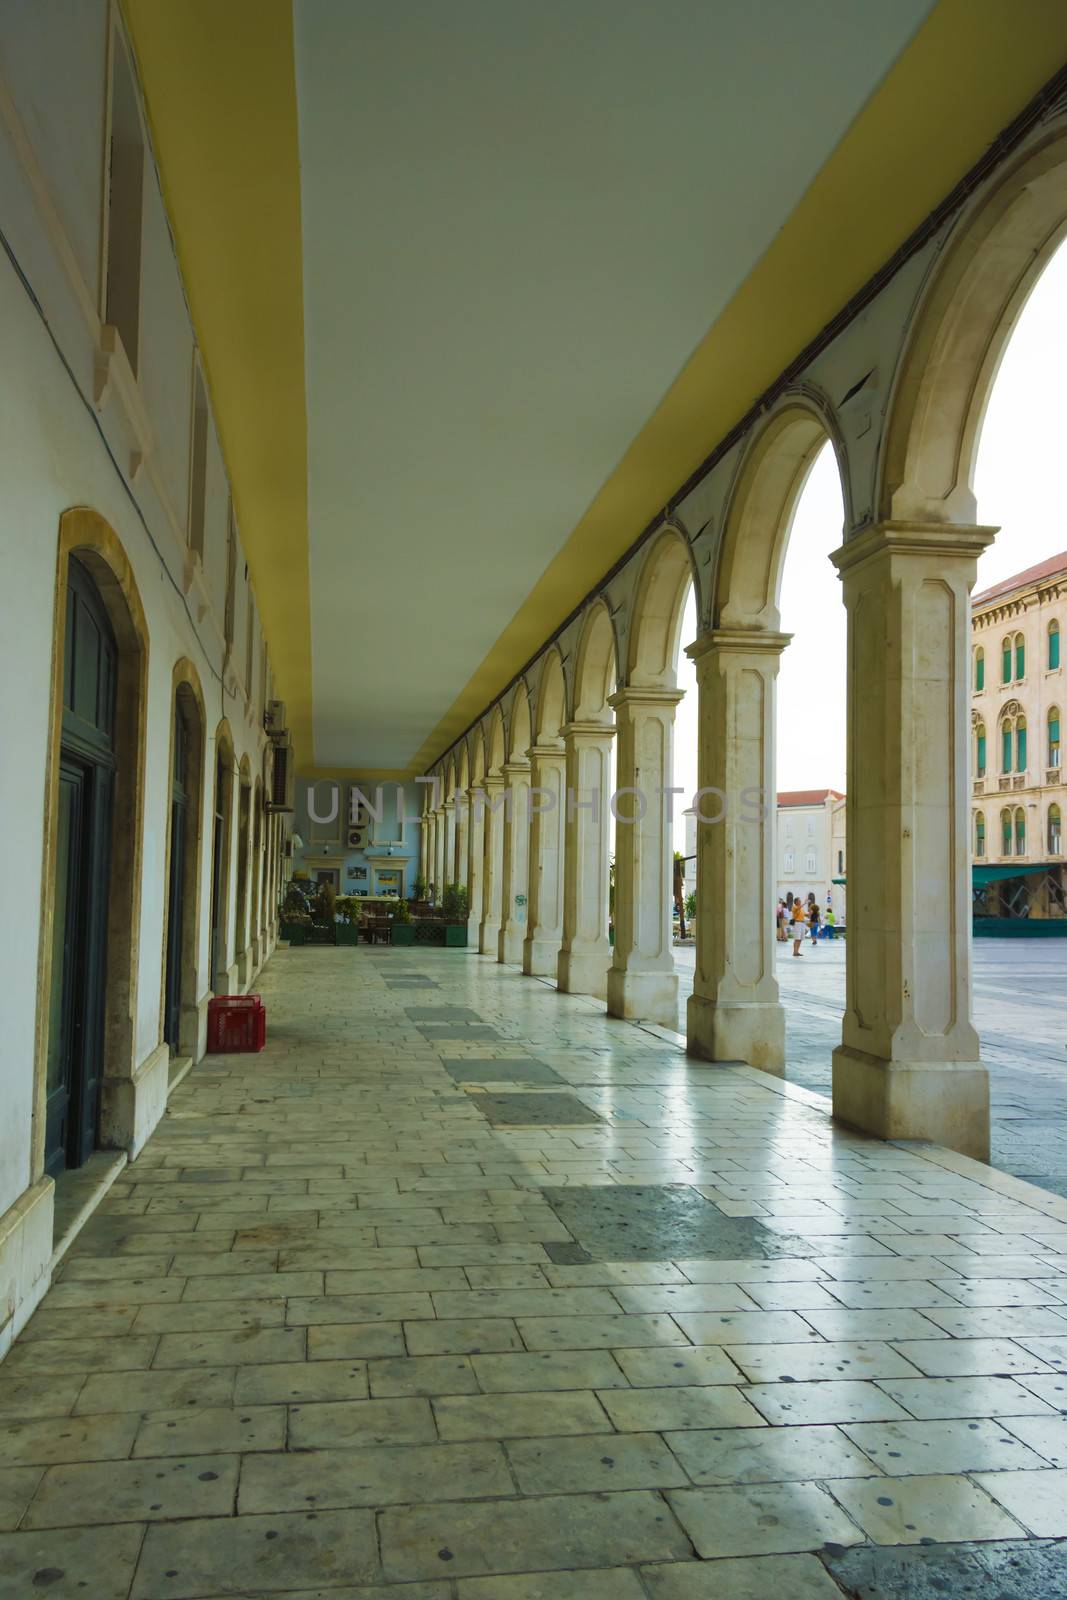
{"points": [[489, 939], [540, 957], [644, 996], [509, 944], [753, 1033], [584, 969], [25, 1258], [131, 1107], [945, 1102]]}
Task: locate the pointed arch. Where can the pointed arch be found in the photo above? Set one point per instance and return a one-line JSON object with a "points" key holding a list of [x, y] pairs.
{"points": [[495, 743], [596, 670], [551, 699], [222, 912], [999, 249], [520, 735], [660, 593], [179, 998], [760, 508]]}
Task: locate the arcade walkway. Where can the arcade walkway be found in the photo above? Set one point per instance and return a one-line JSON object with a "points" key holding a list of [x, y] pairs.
{"points": [[463, 1291]]}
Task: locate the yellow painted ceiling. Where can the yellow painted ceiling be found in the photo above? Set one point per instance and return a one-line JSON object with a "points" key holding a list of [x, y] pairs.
{"points": [[220, 87]]}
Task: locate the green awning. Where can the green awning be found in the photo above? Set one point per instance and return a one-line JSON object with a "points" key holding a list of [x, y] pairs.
{"points": [[837, 880], [984, 875]]}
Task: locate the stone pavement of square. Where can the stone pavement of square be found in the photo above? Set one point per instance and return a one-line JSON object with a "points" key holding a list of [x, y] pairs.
{"points": [[328, 1336]]}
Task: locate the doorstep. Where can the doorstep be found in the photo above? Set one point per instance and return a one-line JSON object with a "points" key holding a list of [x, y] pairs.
{"points": [[78, 1193]]}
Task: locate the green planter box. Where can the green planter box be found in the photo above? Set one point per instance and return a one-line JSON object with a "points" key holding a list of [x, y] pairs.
{"points": [[348, 933], [295, 932], [402, 933], [456, 935]]}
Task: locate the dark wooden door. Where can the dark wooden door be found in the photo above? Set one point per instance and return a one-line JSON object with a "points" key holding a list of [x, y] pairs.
{"points": [[77, 1001]]}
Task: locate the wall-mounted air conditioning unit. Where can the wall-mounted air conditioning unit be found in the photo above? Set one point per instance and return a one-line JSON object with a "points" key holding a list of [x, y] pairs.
{"points": [[274, 720], [283, 779]]}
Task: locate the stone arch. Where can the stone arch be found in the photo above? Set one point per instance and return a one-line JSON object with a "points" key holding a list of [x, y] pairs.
{"points": [[495, 743], [187, 702], [84, 534], [520, 734], [256, 871], [222, 914], [551, 699], [595, 666], [463, 768], [759, 512], [659, 599], [998, 250], [477, 760]]}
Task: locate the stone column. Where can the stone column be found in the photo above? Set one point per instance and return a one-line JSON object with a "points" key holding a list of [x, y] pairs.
{"points": [[515, 862], [642, 981], [425, 845], [544, 925], [492, 808], [908, 1066], [475, 850], [462, 815], [734, 1012], [585, 953], [439, 835]]}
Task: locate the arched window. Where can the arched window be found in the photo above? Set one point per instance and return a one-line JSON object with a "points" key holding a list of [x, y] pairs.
{"points": [[1020, 744], [1054, 737], [1055, 831], [1020, 831], [979, 750], [1006, 730], [979, 670], [1020, 657], [979, 834], [1005, 832], [1005, 661], [1053, 645]]}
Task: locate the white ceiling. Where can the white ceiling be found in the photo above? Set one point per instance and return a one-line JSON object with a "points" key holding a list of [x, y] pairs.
{"points": [[520, 218]]}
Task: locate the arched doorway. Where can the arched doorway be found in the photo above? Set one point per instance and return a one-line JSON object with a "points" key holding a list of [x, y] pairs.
{"points": [[244, 870], [85, 1090], [540, 952], [221, 842], [516, 857], [492, 803], [180, 999]]}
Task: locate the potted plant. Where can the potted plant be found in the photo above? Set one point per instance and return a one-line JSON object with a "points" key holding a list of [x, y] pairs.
{"points": [[403, 929], [324, 915], [455, 903], [351, 910], [295, 916]]}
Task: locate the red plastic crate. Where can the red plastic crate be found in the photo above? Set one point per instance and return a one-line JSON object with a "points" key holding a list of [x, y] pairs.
{"points": [[236, 1023]]}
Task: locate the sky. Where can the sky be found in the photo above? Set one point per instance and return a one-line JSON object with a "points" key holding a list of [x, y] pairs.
{"points": [[1019, 488]]}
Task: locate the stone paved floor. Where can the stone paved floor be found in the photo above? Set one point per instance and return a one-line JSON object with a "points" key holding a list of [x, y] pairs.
{"points": [[328, 1337], [1020, 1006]]}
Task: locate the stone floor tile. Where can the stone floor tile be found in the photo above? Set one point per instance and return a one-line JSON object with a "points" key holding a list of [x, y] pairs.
{"points": [[422, 1375], [71, 1563], [911, 1510], [904, 1294], [674, 1298], [360, 1422], [558, 1532], [50, 1439], [17, 1485], [716, 1406], [620, 1583], [593, 1464], [964, 1397], [218, 1317], [211, 1428], [1036, 1499], [109, 1269], [842, 1400], [518, 1415], [127, 1292], [39, 1395], [146, 1391], [794, 1269], [465, 1336], [793, 1577], [355, 1341], [677, 1365], [768, 1455], [252, 1286], [610, 1273], [135, 1491], [289, 1382], [958, 1358], [90, 1322], [402, 1280], [845, 1323], [526, 1303], [387, 1475], [335, 1309], [951, 1445], [250, 1345], [761, 1519], [598, 1333], [794, 1363], [745, 1327], [233, 1555], [1046, 1435], [80, 1355]]}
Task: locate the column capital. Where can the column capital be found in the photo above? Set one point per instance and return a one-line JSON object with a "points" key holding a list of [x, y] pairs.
{"points": [[588, 730], [544, 752], [934, 539], [737, 641], [642, 696], [492, 780], [516, 769]]}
